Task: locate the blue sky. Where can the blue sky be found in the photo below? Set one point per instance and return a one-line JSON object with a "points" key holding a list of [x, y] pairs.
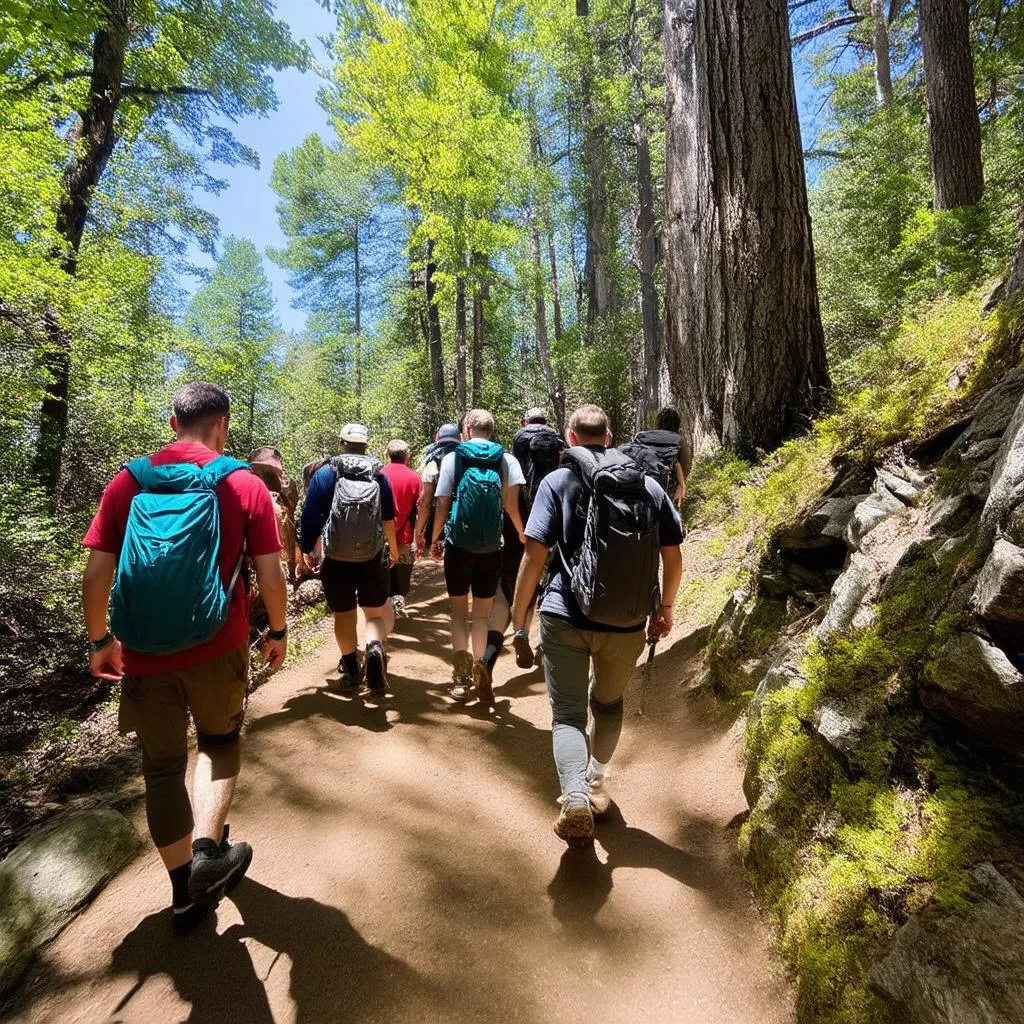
{"points": [[246, 207]]}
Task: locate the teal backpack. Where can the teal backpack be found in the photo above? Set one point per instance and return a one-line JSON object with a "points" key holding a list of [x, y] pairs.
{"points": [[475, 521], [168, 594]]}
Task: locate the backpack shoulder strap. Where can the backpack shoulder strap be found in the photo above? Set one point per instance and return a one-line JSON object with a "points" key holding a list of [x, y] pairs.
{"points": [[222, 467], [583, 462], [141, 471]]}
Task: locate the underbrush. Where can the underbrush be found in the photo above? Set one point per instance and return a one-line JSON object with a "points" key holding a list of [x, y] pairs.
{"points": [[843, 851]]}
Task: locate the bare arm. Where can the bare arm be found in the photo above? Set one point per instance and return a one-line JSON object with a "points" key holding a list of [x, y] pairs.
{"points": [[680, 484], [444, 507], [530, 572], [423, 513], [671, 576], [274, 591], [391, 536], [96, 584], [512, 510]]}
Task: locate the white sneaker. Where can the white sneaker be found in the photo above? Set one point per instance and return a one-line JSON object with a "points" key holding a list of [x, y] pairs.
{"points": [[399, 605], [600, 798]]}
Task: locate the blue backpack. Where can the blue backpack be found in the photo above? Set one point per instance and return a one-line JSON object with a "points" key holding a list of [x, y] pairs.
{"points": [[475, 521], [168, 594]]}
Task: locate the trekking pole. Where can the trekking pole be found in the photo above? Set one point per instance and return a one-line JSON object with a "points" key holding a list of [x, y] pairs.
{"points": [[648, 670]]}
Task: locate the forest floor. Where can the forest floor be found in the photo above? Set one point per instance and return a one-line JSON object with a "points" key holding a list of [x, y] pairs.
{"points": [[405, 868]]}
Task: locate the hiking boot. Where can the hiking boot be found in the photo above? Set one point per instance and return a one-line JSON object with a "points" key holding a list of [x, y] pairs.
{"points": [[575, 825], [524, 653], [538, 656], [376, 669], [186, 918], [216, 870], [600, 798], [398, 602], [463, 686], [482, 682]]}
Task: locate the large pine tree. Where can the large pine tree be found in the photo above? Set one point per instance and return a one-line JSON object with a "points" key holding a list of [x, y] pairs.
{"points": [[744, 344]]}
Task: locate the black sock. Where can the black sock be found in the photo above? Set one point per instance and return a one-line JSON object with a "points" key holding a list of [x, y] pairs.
{"points": [[495, 641], [179, 885], [351, 662]]}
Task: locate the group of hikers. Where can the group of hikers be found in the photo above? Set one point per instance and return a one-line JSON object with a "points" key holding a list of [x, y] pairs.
{"points": [[586, 533]]}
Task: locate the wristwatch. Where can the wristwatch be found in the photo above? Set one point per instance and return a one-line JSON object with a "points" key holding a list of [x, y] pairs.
{"points": [[95, 646], [277, 634]]}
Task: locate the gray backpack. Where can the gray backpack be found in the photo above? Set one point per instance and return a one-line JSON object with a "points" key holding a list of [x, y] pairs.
{"points": [[354, 530]]}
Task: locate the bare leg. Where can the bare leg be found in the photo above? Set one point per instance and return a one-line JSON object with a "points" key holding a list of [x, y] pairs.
{"points": [[481, 617], [500, 615], [460, 622], [213, 786], [345, 631], [380, 621]]}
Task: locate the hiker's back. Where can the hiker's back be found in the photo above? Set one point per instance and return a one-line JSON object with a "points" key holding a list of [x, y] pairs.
{"points": [[354, 531], [656, 452], [476, 518], [538, 448]]}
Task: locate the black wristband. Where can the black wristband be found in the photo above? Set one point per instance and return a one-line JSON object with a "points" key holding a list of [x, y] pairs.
{"points": [[95, 646], [277, 634]]}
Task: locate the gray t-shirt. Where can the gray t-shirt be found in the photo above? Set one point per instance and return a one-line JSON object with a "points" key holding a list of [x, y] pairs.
{"points": [[557, 520]]}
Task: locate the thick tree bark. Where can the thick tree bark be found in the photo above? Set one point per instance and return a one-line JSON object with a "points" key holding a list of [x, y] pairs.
{"points": [[880, 46], [95, 145], [358, 341], [434, 349], [556, 397], [461, 351], [744, 343], [954, 130], [556, 292]]}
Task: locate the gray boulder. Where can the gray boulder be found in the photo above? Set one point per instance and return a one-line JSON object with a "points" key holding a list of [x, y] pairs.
{"points": [[973, 682], [871, 512], [999, 593], [847, 594], [909, 492], [994, 411], [959, 965], [308, 593], [45, 880], [841, 725], [1006, 491]]}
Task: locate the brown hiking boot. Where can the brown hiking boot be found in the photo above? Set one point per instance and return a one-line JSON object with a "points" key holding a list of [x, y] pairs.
{"points": [[483, 683], [462, 676]]}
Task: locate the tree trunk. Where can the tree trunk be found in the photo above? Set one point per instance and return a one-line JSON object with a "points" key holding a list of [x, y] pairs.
{"points": [[480, 296], [555, 396], [556, 292], [358, 345], [435, 351], [954, 130], [460, 343], [744, 342], [880, 46], [95, 144]]}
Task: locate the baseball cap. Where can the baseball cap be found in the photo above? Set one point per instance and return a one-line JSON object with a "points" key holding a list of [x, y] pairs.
{"points": [[448, 432], [356, 433]]}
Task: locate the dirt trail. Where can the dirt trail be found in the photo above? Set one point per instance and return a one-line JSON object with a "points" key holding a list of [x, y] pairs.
{"points": [[405, 870]]}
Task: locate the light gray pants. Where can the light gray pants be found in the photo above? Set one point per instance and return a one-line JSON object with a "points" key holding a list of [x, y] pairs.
{"points": [[569, 655]]}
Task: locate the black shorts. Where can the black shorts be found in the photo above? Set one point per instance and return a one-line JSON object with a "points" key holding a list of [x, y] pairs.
{"points": [[511, 559], [346, 582], [464, 571]]}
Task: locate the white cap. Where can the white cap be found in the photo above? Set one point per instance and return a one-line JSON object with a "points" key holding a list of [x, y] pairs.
{"points": [[355, 433]]}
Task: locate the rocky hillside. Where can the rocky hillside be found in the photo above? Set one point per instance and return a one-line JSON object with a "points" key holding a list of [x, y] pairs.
{"points": [[881, 635]]}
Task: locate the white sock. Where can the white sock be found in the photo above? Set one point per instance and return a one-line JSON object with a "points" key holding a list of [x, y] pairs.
{"points": [[596, 770]]}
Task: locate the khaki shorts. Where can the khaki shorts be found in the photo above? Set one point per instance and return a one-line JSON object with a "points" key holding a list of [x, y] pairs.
{"points": [[157, 707]]}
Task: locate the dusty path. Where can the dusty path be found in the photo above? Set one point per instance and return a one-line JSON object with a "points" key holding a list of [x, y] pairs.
{"points": [[405, 870]]}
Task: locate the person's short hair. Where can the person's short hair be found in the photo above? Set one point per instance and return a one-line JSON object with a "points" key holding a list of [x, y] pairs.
{"points": [[479, 421], [535, 415], [589, 423], [398, 450], [199, 403], [668, 419]]}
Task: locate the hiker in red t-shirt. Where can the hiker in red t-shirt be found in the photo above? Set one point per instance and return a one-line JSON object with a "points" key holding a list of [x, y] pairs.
{"points": [[406, 488], [206, 679]]}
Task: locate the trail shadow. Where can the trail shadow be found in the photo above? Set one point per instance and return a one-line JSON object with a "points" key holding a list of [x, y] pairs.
{"points": [[334, 974]]}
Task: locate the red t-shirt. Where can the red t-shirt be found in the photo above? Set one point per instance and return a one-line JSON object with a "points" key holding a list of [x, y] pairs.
{"points": [[406, 487], [247, 518]]}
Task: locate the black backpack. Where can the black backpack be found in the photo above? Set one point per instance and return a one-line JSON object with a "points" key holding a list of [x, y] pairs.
{"points": [[656, 452], [538, 449], [614, 574], [436, 451]]}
